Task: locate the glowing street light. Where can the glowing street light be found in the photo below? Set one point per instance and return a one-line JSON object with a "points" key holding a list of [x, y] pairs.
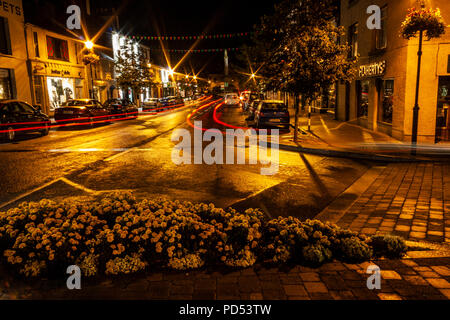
{"points": [[89, 45], [171, 72], [253, 75], [195, 77]]}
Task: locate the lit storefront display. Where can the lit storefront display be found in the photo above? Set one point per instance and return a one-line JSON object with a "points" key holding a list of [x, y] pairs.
{"points": [[56, 83], [59, 91], [6, 87]]}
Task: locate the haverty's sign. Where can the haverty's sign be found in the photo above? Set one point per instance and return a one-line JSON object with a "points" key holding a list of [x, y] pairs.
{"points": [[372, 70]]}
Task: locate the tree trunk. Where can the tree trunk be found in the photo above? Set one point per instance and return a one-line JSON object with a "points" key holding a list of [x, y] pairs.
{"points": [[296, 106]]}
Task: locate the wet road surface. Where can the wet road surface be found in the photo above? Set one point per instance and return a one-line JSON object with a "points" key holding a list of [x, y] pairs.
{"points": [[136, 155]]}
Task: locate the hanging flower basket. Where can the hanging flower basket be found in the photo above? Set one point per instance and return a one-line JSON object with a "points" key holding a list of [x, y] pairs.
{"points": [[91, 58], [429, 21]]}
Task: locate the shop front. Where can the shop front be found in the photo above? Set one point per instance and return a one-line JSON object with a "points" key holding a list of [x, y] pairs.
{"points": [[54, 84], [443, 112]]}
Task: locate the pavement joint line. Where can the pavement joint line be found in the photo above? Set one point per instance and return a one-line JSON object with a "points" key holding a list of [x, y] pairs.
{"points": [[357, 188]]}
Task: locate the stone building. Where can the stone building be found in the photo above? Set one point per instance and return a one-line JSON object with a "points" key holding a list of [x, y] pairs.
{"points": [[382, 97]]}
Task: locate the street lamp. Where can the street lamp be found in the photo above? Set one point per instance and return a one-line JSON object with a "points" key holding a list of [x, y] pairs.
{"points": [[90, 46]]}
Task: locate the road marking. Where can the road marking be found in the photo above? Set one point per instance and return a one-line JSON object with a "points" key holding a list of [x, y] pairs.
{"points": [[119, 155], [26, 194], [78, 186], [325, 125]]}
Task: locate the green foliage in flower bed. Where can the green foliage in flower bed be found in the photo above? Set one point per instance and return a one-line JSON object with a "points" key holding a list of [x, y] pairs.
{"points": [[119, 235]]}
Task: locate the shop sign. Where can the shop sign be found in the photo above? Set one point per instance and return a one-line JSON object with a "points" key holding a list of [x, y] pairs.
{"points": [[11, 8], [60, 72], [372, 70]]}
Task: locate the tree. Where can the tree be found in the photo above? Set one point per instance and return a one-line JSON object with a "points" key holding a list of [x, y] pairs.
{"points": [[298, 50], [132, 69]]}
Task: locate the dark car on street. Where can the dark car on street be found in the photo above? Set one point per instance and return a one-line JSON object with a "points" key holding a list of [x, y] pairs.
{"points": [[18, 116], [272, 113], [121, 108], [87, 111]]}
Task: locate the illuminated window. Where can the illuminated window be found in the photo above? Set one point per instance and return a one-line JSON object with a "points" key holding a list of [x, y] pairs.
{"points": [[6, 84], [57, 49], [387, 101], [362, 88]]}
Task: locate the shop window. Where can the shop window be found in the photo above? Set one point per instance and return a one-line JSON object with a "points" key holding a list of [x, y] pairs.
{"points": [[443, 112], [57, 49], [353, 40], [6, 84], [381, 35], [59, 91], [5, 40], [36, 44], [387, 101], [362, 88]]}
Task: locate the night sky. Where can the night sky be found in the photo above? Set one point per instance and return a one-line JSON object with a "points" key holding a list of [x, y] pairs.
{"points": [[169, 18], [178, 18]]}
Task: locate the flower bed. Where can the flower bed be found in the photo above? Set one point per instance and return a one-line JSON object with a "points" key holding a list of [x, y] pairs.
{"points": [[119, 235]]}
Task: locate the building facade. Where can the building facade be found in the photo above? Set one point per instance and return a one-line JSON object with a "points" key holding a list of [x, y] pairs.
{"points": [[14, 80], [382, 96], [57, 72]]}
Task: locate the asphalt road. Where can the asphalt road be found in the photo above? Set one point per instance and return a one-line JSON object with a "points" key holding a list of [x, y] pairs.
{"points": [[136, 155]]}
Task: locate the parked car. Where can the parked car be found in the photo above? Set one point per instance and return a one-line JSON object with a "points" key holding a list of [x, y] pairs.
{"points": [[151, 103], [170, 101], [18, 116], [121, 108], [231, 99], [252, 107], [252, 97], [272, 113], [82, 110]]}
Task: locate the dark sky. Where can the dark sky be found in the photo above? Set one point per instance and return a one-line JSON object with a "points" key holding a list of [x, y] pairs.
{"points": [[178, 18], [170, 17]]}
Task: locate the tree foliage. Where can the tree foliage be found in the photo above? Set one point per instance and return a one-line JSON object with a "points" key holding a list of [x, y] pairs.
{"points": [[298, 48], [132, 69]]}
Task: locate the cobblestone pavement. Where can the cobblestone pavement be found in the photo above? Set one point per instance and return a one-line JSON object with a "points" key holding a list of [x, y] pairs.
{"points": [[411, 200], [405, 279]]}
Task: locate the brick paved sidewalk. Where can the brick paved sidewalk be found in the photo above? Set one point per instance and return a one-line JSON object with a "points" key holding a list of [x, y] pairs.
{"points": [[410, 200], [405, 279]]}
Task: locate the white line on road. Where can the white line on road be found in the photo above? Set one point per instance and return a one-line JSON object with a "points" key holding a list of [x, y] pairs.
{"points": [[119, 154], [325, 125], [78, 186], [28, 193]]}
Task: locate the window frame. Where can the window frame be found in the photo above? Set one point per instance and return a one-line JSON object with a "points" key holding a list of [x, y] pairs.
{"points": [[63, 51]]}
